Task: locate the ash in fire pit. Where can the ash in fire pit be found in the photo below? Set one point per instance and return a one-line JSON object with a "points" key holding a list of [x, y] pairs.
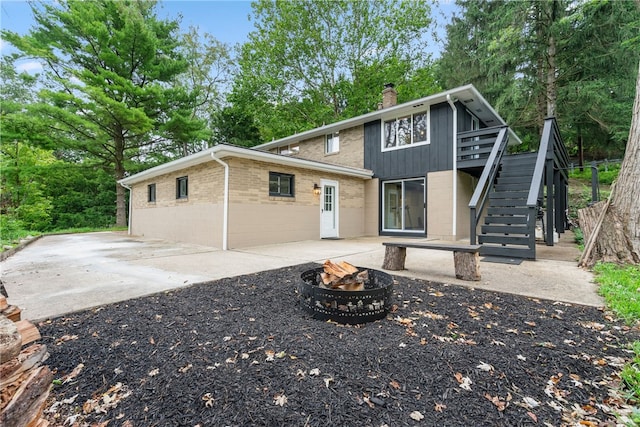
{"points": [[359, 296]]}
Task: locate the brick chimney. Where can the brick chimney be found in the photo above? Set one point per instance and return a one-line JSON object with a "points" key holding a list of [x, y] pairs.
{"points": [[389, 96]]}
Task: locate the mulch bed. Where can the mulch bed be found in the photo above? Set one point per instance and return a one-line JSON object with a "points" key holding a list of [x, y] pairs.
{"points": [[241, 351]]}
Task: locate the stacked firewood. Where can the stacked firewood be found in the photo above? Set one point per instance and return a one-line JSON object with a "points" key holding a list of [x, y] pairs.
{"points": [[24, 381], [343, 276]]}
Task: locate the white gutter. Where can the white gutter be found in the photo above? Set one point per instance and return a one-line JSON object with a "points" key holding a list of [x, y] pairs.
{"points": [[129, 218], [455, 166], [225, 203]]}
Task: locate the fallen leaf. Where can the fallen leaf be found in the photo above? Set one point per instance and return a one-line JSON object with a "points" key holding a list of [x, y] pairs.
{"points": [[154, 372], [436, 294], [327, 381], [416, 416], [280, 399], [281, 354], [439, 407], [151, 340], [395, 384], [314, 372], [530, 402], [530, 323], [270, 355], [499, 343], [185, 368], [521, 357], [533, 416], [500, 404], [208, 400], [464, 382], [485, 367]]}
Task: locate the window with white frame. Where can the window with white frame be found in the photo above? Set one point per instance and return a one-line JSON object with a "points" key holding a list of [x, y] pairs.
{"points": [[290, 149], [332, 143], [405, 131]]}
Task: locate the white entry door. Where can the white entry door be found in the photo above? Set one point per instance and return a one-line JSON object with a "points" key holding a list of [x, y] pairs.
{"points": [[329, 209]]}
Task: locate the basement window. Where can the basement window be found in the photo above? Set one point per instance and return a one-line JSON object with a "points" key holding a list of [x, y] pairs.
{"points": [[182, 187], [281, 184], [151, 193]]}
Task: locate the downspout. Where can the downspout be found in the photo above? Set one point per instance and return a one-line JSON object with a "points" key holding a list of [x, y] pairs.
{"points": [[225, 203], [130, 210], [455, 165]]}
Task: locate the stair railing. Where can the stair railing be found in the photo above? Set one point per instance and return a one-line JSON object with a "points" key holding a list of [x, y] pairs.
{"points": [[551, 152], [488, 177]]}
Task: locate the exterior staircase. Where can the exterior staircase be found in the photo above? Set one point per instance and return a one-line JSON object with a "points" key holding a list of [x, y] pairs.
{"points": [[508, 230]]}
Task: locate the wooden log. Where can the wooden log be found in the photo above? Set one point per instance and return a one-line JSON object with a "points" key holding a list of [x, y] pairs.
{"points": [[28, 332], [10, 339], [12, 313], [29, 358], [394, 257], [27, 402], [467, 265]]}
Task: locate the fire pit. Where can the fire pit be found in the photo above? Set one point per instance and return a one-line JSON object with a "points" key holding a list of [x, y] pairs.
{"points": [[343, 306]]}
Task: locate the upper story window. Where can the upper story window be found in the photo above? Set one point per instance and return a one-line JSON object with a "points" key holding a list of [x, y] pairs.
{"points": [[290, 149], [151, 193], [332, 143], [405, 131], [281, 184], [182, 187]]}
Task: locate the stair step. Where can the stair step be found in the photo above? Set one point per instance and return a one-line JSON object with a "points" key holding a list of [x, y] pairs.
{"points": [[505, 219], [503, 240], [520, 159], [509, 202], [520, 229], [512, 187], [514, 210], [509, 195], [516, 171], [507, 251], [514, 180]]}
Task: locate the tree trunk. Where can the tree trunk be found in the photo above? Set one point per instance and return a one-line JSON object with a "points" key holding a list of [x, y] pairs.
{"points": [[627, 192], [121, 206], [619, 237]]}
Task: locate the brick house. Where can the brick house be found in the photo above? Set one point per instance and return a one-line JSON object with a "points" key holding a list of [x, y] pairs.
{"points": [[404, 170]]}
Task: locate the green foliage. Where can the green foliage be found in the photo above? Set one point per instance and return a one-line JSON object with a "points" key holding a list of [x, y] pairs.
{"points": [[110, 72], [631, 375], [619, 286], [311, 63], [11, 231], [524, 54]]}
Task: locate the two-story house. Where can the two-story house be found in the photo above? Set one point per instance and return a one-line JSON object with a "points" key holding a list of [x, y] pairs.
{"points": [[403, 170]]}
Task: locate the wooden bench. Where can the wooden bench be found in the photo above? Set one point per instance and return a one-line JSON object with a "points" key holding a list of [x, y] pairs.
{"points": [[466, 258]]}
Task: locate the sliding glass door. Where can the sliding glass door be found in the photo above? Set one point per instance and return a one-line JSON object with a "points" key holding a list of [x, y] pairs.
{"points": [[403, 205]]}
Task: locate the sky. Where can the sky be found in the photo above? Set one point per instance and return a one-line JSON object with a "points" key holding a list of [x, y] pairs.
{"points": [[228, 21]]}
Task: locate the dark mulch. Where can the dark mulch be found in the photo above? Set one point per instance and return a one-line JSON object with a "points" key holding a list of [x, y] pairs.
{"points": [[457, 356]]}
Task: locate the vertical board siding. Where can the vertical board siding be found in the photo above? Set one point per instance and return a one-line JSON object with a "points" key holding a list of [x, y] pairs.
{"points": [[413, 161]]}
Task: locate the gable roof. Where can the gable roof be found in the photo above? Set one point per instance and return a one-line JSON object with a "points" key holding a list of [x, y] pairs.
{"points": [[222, 151], [468, 95]]}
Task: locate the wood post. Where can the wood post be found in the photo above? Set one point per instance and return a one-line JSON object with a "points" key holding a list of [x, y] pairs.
{"points": [[394, 257], [467, 265]]}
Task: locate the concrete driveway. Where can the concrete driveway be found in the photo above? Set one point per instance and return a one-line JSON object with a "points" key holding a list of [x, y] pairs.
{"points": [[65, 273]]}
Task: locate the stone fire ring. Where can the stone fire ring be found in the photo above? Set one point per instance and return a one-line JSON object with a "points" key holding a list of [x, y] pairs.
{"points": [[347, 307]]}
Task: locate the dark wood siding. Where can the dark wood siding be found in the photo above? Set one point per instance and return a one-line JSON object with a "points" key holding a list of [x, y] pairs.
{"points": [[413, 161]]}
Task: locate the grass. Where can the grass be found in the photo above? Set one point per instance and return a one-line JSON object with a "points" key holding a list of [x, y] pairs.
{"points": [[11, 236], [620, 287]]}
